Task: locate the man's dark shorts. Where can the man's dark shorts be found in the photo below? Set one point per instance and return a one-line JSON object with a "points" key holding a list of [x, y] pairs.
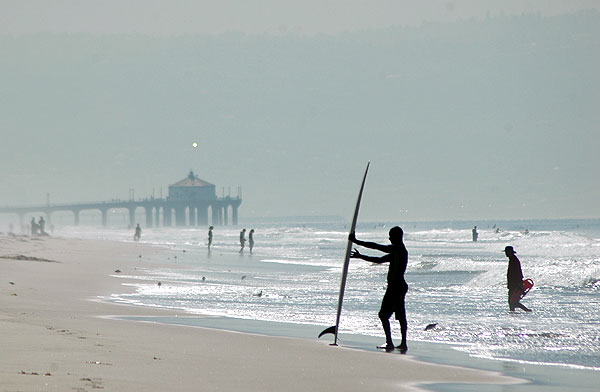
{"points": [[393, 301]]}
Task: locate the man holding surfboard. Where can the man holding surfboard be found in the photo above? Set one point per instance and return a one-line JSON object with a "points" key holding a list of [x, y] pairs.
{"points": [[393, 300], [514, 278]]}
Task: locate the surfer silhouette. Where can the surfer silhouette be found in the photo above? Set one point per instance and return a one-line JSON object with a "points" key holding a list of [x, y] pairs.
{"points": [[393, 300], [514, 277]]}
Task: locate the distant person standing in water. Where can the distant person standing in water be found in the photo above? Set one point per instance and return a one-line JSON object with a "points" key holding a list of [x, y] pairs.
{"points": [[393, 300], [42, 226], [475, 234], [514, 277], [251, 240], [34, 227], [138, 233], [242, 240], [210, 236]]}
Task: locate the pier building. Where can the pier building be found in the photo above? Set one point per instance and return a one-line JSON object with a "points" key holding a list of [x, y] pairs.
{"points": [[190, 202]]}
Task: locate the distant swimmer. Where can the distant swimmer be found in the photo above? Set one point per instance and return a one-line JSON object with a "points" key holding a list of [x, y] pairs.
{"points": [[210, 237], [242, 240], [514, 277], [393, 300], [475, 234], [251, 240], [138, 233]]}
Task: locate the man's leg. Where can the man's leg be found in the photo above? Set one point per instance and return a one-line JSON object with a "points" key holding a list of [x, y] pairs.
{"points": [[387, 306], [401, 316], [385, 322], [511, 303]]}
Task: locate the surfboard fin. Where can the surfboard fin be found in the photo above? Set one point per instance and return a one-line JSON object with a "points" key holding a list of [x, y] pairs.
{"points": [[328, 330]]}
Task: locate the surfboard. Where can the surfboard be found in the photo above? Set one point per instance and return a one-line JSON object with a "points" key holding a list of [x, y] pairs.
{"points": [[334, 329], [526, 287]]}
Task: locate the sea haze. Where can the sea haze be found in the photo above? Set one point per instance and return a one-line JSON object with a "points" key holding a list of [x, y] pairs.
{"points": [[491, 117]]}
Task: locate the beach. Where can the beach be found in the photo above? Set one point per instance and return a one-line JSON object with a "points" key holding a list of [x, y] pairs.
{"points": [[57, 335]]}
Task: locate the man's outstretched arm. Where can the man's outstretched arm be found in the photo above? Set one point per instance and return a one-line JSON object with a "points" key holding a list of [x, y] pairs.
{"points": [[370, 245], [357, 255]]}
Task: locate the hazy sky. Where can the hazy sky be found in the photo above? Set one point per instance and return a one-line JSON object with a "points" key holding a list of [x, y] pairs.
{"points": [[254, 16], [466, 109]]}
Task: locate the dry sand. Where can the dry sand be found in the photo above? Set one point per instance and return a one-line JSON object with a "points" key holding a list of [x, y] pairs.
{"points": [[53, 336]]}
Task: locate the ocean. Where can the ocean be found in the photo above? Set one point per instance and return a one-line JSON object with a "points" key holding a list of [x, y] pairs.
{"points": [[293, 276]]}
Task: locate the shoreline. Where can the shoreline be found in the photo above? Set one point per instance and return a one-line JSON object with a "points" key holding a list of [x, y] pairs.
{"points": [[536, 377], [57, 336]]}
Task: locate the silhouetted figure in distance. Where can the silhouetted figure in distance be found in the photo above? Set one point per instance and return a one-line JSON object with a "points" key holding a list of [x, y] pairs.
{"points": [[242, 240], [514, 278], [210, 237], [251, 240], [475, 234], [393, 300], [34, 227], [138, 233], [42, 226]]}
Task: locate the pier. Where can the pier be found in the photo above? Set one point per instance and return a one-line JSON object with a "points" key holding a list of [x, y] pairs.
{"points": [[190, 202]]}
